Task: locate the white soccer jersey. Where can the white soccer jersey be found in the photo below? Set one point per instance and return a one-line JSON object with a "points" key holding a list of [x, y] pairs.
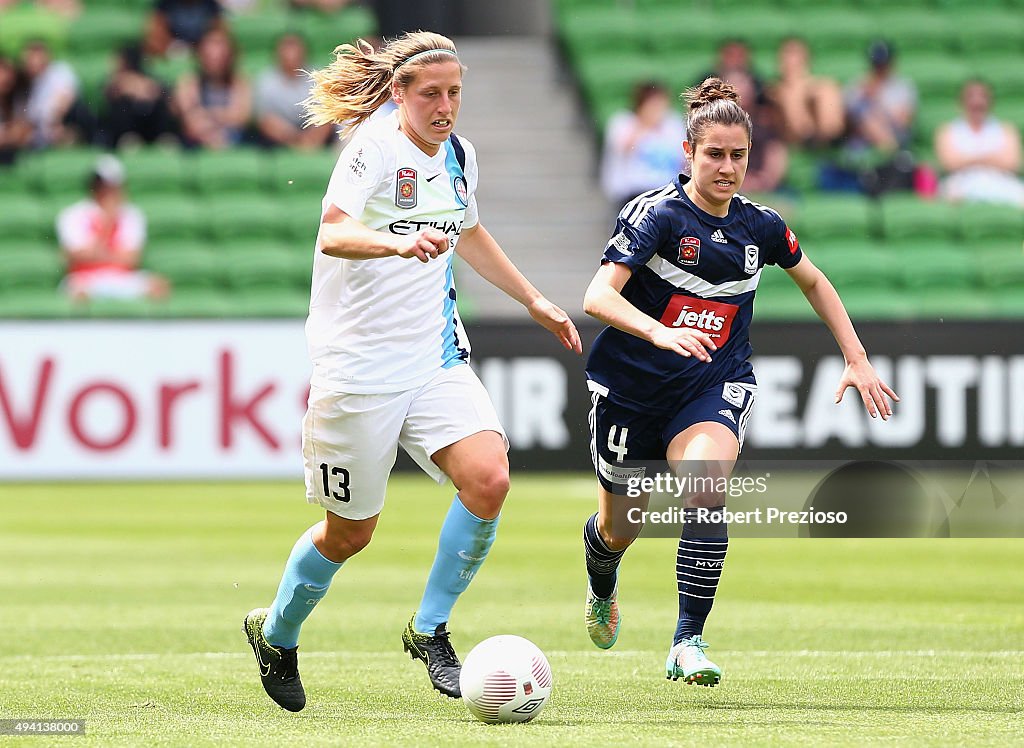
{"points": [[389, 324]]}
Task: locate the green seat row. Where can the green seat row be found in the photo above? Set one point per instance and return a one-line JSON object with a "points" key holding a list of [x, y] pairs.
{"points": [[63, 172], [901, 218]]}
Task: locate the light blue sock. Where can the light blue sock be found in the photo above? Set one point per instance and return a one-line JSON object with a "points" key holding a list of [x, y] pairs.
{"points": [[307, 575], [463, 546]]}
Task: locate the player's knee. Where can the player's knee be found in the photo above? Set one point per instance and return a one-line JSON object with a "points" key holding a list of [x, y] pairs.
{"points": [[705, 500], [615, 537], [339, 545], [486, 490]]}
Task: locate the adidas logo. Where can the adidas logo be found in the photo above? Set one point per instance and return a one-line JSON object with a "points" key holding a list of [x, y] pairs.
{"points": [[728, 414], [719, 237]]}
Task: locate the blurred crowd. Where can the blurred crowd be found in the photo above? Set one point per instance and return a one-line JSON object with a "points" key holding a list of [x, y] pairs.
{"points": [[861, 133], [211, 104]]}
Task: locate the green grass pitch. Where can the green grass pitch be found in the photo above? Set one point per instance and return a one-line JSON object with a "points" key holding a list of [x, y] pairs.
{"points": [[122, 603]]}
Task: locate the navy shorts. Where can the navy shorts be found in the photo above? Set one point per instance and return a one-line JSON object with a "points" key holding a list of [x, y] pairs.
{"points": [[622, 436]]}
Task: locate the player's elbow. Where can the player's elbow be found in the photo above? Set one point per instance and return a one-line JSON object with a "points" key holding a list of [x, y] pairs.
{"points": [[593, 301]]}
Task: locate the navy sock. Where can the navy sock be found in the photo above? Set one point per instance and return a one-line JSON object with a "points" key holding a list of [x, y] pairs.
{"points": [[699, 562], [602, 562]]}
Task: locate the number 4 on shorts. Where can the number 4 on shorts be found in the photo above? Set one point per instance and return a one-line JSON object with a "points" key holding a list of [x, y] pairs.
{"points": [[619, 449]]}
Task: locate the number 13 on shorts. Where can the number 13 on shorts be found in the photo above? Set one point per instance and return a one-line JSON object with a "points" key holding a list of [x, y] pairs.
{"points": [[336, 482]]}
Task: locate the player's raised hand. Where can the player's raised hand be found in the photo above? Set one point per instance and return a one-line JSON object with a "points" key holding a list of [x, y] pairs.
{"points": [[552, 318], [873, 391], [685, 341], [424, 245]]}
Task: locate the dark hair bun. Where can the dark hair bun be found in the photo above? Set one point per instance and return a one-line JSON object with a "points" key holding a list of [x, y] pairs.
{"points": [[712, 89]]}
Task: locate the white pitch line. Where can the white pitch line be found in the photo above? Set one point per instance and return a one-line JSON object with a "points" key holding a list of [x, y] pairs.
{"points": [[558, 653]]}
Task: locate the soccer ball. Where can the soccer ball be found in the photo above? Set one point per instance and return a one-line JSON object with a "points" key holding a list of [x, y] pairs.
{"points": [[505, 679]]}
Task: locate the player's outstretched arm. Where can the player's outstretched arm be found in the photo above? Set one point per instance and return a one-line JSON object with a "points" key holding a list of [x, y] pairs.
{"points": [[343, 236], [859, 372], [604, 301], [477, 247]]}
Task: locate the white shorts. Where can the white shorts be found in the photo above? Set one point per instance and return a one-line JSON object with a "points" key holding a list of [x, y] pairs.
{"points": [[350, 441], [109, 284]]}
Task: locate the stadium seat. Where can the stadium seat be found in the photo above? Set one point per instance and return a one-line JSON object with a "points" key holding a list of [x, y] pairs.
{"points": [[64, 172], [907, 218], [981, 224], [26, 23], [188, 270], [256, 271], [868, 269], [93, 71], [257, 33], [981, 29], [1003, 272], [938, 272], [778, 303], [947, 303], [23, 218], [24, 271], [156, 171], [937, 75], [232, 171], [231, 216], [327, 31], [104, 29], [115, 309], [1008, 302], [276, 303], [186, 302], [869, 303], [35, 304], [295, 172], [300, 218], [824, 217], [171, 217], [913, 31], [830, 30]]}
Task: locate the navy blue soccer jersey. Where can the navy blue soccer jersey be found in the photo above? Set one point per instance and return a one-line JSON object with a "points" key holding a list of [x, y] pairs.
{"points": [[690, 269]]}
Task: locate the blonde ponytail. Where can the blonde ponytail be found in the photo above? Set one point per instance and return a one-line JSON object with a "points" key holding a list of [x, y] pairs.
{"points": [[358, 81]]}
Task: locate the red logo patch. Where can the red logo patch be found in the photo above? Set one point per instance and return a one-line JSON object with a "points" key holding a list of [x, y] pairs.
{"points": [[405, 188], [791, 240], [711, 317], [689, 250]]}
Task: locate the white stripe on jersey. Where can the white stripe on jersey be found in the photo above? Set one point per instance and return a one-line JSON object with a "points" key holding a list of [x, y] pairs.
{"points": [[693, 284], [637, 208], [762, 208]]}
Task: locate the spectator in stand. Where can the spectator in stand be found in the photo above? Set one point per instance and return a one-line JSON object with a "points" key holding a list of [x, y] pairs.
{"points": [[136, 103], [177, 25], [280, 91], [980, 153], [810, 106], [56, 112], [326, 6], [66, 8], [15, 130], [214, 105], [642, 146], [102, 239], [881, 106], [768, 157], [734, 59]]}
